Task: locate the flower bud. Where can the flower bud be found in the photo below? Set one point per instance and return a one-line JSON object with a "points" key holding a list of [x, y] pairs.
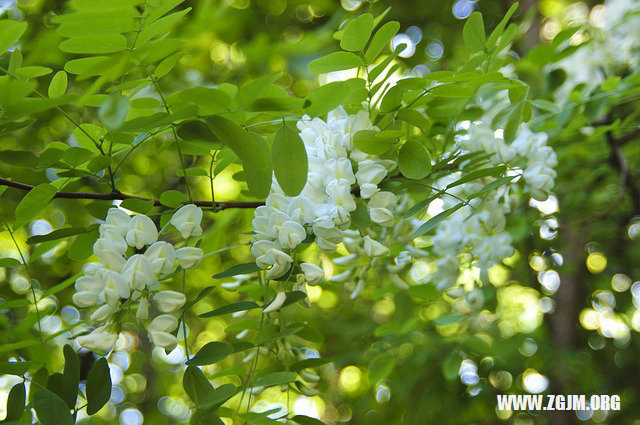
{"points": [[398, 281], [90, 269], [367, 190], [163, 323], [85, 299], [143, 309], [169, 301], [138, 272], [290, 234], [110, 239], [374, 248], [370, 172], [99, 340], [162, 256], [164, 340], [142, 231], [187, 220], [312, 273], [276, 303], [189, 256]]}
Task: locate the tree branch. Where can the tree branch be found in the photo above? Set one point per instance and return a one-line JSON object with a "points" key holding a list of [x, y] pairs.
{"points": [[122, 196]]}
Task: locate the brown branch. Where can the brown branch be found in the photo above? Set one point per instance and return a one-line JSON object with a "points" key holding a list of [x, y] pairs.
{"points": [[114, 196]]}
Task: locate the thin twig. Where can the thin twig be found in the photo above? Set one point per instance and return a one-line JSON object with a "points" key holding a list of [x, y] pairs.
{"points": [[115, 196]]}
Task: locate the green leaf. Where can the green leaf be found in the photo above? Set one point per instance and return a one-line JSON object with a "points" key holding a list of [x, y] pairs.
{"points": [[238, 269], [9, 262], [102, 43], [290, 163], [198, 132], [231, 308], [161, 26], [99, 163], [76, 155], [10, 31], [451, 90], [33, 203], [308, 363], [493, 185], [357, 32], [113, 111], [27, 72], [19, 158], [51, 409], [473, 33], [337, 61], [381, 366], [306, 420], [58, 85], [14, 368], [329, 96], [218, 396], [425, 292], [433, 221], [71, 376], [368, 141], [141, 206], [98, 386], [211, 353], [252, 150], [497, 32], [172, 198], [392, 99], [195, 384], [15, 403], [381, 38], [81, 248], [484, 172], [275, 378], [167, 65], [414, 160]]}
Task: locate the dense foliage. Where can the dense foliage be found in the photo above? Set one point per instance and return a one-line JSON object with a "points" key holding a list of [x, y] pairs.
{"points": [[312, 212]]}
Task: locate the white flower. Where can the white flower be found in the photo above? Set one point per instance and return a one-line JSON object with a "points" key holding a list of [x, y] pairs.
{"points": [[138, 272], [85, 299], [112, 260], [115, 286], [381, 216], [278, 270], [110, 239], [374, 248], [163, 323], [90, 269], [312, 273], [276, 303], [189, 256], [99, 340], [118, 220], [187, 220], [164, 340], [102, 313], [370, 172], [339, 192], [93, 284], [169, 301], [539, 180], [142, 231], [291, 234], [162, 256], [143, 309], [367, 190], [326, 245]]}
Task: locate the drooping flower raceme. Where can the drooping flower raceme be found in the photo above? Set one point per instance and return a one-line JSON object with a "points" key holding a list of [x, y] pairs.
{"points": [[132, 260], [323, 209]]}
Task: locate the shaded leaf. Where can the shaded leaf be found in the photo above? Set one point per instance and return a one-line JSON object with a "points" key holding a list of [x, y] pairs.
{"points": [[98, 386]]}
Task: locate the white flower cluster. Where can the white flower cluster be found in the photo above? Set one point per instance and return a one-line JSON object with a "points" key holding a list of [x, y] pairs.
{"points": [[614, 46], [478, 229], [323, 207], [126, 275]]}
